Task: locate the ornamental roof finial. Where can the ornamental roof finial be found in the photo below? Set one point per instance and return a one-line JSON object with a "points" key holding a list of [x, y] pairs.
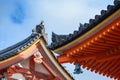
{"points": [[40, 28]]}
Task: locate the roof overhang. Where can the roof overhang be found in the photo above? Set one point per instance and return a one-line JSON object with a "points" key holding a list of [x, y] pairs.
{"points": [[88, 34], [19, 57]]}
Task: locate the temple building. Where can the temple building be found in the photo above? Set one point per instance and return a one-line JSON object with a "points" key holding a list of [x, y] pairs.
{"points": [[95, 45], [31, 59]]}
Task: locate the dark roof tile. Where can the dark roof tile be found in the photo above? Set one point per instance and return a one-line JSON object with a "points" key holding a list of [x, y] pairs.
{"points": [[57, 39], [15, 49]]}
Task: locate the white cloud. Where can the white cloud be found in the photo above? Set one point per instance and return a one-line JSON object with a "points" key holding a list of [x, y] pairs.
{"points": [[64, 13]]}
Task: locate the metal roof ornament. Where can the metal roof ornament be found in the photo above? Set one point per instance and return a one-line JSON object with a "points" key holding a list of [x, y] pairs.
{"points": [[77, 69]]}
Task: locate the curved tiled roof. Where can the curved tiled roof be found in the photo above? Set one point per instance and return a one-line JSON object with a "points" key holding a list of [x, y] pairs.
{"points": [[61, 40], [20, 46], [15, 49]]}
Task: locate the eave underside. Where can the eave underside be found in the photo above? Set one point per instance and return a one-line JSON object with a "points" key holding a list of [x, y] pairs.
{"points": [[99, 53], [60, 42], [39, 50]]}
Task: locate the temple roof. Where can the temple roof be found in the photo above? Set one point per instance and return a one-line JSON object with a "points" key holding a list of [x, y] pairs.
{"points": [[61, 40], [20, 46], [15, 49], [33, 45]]}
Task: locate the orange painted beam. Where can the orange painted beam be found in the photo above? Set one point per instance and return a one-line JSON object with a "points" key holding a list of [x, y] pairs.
{"points": [[116, 70], [108, 57], [94, 66], [101, 57], [43, 76], [65, 59], [82, 63], [103, 67], [114, 67], [108, 38], [116, 37], [107, 70], [98, 67], [24, 71], [87, 62], [84, 58], [108, 43], [91, 49], [96, 46], [117, 76], [115, 32], [95, 37], [32, 63]]}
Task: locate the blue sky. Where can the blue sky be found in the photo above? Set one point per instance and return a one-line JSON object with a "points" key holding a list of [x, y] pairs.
{"points": [[19, 17]]}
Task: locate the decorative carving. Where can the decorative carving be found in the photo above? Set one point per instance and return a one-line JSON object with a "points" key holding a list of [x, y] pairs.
{"points": [[38, 58], [40, 28], [58, 38]]}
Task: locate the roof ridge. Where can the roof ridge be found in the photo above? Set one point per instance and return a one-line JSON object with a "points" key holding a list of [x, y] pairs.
{"points": [[83, 28]]}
